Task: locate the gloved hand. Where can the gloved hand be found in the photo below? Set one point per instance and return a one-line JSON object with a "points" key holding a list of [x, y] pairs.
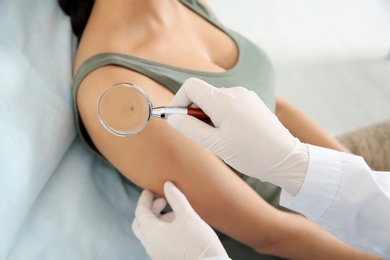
{"points": [[246, 134], [180, 234]]}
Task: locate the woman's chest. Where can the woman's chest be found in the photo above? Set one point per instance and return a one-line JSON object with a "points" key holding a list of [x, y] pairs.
{"points": [[192, 42]]}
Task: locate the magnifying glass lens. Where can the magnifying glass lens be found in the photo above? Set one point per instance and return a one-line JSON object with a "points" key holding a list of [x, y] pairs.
{"points": [[123, 110]]}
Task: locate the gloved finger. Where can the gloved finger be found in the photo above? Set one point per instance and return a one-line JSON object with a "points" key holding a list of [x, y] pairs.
{"points": [[201, 133], [136, 227], [190, 126], [193, 128], [168, 217], [144, 206], [176, 199], [195, 91], [158, 205]]}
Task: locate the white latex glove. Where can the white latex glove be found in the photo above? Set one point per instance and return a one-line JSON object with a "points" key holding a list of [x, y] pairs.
{"points": [[180, 234], [246, 134]]}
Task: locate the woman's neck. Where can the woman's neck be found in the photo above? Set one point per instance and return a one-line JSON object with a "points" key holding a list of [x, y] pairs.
{"points": [[148, 14], [124, 25]]}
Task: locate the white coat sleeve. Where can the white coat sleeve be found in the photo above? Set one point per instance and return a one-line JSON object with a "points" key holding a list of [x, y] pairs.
{"points": [[345, 197]]}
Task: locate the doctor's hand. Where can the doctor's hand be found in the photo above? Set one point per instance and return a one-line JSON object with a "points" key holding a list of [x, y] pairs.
{"points": [[180, 234], [245, 133]]}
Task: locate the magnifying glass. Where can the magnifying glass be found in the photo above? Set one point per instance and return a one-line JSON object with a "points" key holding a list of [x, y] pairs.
{"points": [[124, 109]]}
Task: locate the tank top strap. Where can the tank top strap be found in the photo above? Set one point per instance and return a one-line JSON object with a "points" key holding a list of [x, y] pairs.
{"points": [[201, 9]]}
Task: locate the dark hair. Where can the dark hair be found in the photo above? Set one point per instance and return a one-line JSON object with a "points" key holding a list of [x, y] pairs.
{"points": [[78, 11]]}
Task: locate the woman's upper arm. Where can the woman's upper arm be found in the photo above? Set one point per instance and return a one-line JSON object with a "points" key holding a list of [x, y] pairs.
{"points": [[148, 158]]}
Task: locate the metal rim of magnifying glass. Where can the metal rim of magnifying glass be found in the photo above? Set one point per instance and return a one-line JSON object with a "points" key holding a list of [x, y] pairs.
{"points": [[129, 85]]}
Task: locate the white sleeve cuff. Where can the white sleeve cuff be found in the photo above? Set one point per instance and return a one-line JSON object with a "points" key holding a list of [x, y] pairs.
{"points": [[320, 185]]}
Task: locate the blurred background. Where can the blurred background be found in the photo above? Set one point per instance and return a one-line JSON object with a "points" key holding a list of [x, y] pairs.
{"points": [[332, 58]]}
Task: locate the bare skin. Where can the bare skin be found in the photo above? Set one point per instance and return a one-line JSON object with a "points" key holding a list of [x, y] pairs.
{"points": [[170, 33]]}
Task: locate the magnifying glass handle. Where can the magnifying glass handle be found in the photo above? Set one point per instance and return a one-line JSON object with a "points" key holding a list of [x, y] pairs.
{"points": [[197, 112], [164, 112]]}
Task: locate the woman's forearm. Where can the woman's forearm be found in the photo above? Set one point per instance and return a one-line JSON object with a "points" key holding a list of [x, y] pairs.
{"points": [[303, 239], [305, 129]]}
